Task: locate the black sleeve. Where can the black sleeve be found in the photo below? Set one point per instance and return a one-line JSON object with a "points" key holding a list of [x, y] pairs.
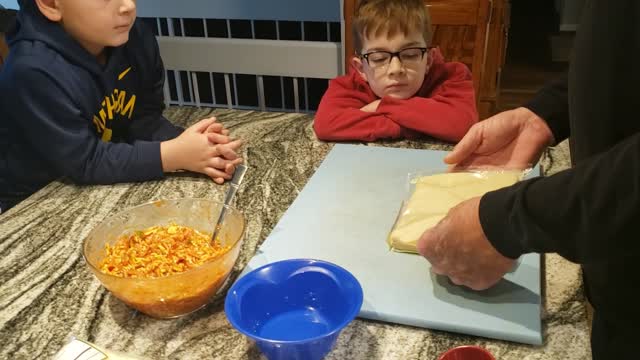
{"points": [[66, 139], [148, 123], [587, 214], [552, 104]]}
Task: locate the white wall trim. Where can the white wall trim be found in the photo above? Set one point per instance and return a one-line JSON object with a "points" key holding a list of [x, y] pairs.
{"points": [[308, 59]]}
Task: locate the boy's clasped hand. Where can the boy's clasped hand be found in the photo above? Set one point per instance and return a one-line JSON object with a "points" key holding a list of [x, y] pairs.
{"points": [[204, 147]]}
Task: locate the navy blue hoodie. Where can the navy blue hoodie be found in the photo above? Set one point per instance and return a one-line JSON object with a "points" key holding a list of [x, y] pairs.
{"points": [[62, 113]]}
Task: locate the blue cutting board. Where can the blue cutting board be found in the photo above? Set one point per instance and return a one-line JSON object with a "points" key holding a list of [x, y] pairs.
{"points": [[344, 214]]}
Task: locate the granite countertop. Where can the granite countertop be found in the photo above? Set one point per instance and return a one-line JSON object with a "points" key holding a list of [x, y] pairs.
{"points": [[47, 293]]}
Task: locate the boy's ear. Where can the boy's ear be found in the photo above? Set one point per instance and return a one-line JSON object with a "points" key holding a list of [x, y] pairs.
{"points": [[430, 54], [50, 9], [356, 62]]}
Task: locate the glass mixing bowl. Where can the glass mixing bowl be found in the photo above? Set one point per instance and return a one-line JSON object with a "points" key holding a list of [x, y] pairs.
{"points": [[178, 294]]}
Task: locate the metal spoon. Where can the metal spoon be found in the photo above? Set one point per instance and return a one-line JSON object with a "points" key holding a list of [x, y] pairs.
{"points": [[234, 184]]}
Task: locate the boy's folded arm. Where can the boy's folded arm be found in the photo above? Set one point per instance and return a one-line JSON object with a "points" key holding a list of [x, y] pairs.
{"points": [[448, 112], [148, 123], [339, 117], [355, 124], [66, 138], [152, 126]]}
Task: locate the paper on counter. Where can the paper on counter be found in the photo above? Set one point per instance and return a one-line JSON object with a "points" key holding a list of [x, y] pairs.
{"points": [[81, 350]]}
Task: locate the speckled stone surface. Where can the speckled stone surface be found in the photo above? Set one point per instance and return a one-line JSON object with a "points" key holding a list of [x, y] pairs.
{"points": [[48, 294]]}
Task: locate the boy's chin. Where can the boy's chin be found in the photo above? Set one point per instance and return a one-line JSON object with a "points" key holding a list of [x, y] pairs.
{"points": [[119, 40], [398, 96]]}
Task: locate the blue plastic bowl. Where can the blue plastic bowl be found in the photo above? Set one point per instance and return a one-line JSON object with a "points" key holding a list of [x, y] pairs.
{"points": [[294, 309]]}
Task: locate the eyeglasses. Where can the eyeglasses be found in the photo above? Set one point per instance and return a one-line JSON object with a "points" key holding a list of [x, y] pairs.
{"points": [[408, 57]]}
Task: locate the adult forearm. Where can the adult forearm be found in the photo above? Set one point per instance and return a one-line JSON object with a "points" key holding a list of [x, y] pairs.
{"points": [[587, 214], [552, 104]]}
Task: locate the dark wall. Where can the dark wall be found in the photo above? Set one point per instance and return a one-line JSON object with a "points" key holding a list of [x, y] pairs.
{"points": [[532, 24]]}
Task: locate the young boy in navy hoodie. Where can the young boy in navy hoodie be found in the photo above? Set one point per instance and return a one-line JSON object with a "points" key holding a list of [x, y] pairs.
{"points": [[396, 87], [81, 96]]}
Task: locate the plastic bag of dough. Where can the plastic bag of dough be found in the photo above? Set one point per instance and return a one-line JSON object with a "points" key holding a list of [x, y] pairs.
{"points": [[432, 195]]}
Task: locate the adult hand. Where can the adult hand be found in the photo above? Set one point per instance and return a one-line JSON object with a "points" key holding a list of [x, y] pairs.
{"points": [[372, 107], [458, 248], [514, 138]]}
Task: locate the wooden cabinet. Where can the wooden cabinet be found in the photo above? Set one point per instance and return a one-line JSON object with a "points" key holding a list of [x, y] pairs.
{"points": [[6, 19], [473, 32], [495, 55], [4, 50]]}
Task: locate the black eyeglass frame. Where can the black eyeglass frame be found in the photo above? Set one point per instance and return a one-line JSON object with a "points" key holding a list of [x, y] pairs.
{"points": [[394, 54]]}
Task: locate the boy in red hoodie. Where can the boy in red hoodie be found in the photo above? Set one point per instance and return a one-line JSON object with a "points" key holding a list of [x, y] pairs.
{"points": [[397, 87]]}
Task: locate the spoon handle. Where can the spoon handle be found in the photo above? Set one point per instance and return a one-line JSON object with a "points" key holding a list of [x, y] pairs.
{"points": [[234, 184]]}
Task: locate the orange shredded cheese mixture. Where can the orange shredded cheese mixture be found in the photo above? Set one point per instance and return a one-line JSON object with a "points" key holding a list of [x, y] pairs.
{"points": [[159, 251]]}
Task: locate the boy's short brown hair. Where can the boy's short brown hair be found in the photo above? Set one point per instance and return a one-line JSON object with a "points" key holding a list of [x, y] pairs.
{"points": [[390, 17]]}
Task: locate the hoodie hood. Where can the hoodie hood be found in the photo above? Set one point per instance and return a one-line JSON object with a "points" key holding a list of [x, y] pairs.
{"points": [[32, 26]]}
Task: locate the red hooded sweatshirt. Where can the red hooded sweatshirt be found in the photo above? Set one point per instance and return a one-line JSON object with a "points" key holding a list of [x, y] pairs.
{"points": [[444, 107]]}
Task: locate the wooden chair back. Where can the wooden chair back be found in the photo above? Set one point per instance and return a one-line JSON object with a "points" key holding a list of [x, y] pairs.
{"points": [[459, 29]]}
